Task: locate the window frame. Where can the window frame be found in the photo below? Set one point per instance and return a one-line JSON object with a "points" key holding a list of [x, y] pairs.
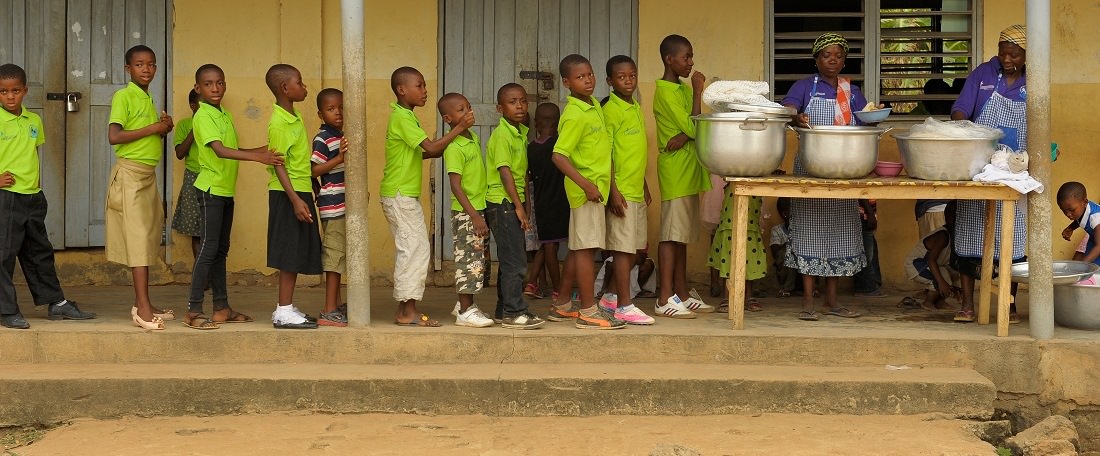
{"points": [[872, 55]]}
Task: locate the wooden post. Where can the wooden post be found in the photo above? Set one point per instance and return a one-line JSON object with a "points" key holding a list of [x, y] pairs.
{"points": [[735, 284], [1004, 279], [986, 285]]}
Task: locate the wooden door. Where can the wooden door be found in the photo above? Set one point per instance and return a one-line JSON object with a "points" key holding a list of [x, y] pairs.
{"points": [[28, 36], [488, 43], [98, 34]]}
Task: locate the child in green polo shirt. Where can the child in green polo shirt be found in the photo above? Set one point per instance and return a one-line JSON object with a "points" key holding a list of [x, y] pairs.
{"points": [[504, 206], [629, 195], [407, 145], [134, 213], [293, 242], [466, 174], [216, 184], [185, 220], [583, 154], [680, 176], [23, 210]]}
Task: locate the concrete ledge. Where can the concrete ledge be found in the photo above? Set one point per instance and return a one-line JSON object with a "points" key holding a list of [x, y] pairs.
{"points": [[51, 393]]}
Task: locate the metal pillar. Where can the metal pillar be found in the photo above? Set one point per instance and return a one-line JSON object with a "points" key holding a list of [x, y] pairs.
{"points": [[1040, 250], [355, 165]]}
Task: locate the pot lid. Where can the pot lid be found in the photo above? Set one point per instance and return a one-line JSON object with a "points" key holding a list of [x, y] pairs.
{"points": [[776, 110]]}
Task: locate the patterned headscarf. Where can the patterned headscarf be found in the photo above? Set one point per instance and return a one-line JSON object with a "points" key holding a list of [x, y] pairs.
{"points": [[1015, 34], [829, 39]]}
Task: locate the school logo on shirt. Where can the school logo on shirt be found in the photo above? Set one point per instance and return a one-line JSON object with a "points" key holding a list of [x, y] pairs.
{"points": [[1023, 93], [34, 132]]}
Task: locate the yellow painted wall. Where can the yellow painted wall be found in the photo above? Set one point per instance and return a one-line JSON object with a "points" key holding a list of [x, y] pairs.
{"points": [[728, 41]]}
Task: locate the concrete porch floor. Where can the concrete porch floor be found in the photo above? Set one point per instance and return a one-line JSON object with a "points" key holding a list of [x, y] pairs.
{"points": [[881, 316]]}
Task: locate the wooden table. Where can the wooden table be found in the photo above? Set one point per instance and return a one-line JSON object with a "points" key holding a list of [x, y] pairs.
{"points": [[880, 188]]}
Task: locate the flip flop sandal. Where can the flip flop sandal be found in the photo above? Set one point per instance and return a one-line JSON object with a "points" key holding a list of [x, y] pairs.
{"points": [[808, 315], [964, 316], [200, 322], [723, 307], [842, 312], [166, 315], [235, 317], [424, 321], [752, 305], [783, 294], [1013, 318]]}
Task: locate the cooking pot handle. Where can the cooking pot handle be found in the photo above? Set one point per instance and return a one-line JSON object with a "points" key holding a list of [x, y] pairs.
{"points": [[884, 131], [754, 124], [789, 127]]}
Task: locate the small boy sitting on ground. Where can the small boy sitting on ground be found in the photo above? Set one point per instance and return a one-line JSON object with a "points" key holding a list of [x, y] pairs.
{"points": [[407, 145], [583, 154], [23, 205], [1075, 204], [327, 164], [293, 242], [466, 173]]}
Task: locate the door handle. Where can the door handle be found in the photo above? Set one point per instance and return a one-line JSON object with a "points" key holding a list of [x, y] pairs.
{"points": [[63, 96]]}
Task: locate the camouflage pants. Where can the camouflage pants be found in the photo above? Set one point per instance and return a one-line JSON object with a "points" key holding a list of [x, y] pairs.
{"points": [[469, 254]]}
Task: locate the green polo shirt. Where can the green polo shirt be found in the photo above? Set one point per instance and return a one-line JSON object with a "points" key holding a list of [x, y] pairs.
{"points": [[628, 141], [286, 134], [583, 138], [132, 108], [217, 176], [20, 137], [463, 157], [507, 147], [191, 161], [679, 172], [404, 158]]}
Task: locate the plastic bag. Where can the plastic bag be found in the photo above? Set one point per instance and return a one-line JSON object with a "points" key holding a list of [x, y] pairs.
{"points": [[720, 94], [932, 128]]}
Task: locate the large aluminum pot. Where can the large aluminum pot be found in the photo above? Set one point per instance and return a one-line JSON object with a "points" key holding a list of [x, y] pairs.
{"points": [[839, 152], [945, 159], [741, 144], [1077, 306]]}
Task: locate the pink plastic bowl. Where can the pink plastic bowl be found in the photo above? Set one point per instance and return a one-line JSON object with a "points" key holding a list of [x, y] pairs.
{"points": [[887, 168]]}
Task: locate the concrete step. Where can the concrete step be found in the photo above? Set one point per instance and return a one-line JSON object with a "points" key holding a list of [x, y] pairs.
{"points": [[47, 393]]}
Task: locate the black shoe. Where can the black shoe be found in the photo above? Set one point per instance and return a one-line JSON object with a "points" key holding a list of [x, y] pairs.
{"points": [[308, 324], [15, 321], [69, 311]]}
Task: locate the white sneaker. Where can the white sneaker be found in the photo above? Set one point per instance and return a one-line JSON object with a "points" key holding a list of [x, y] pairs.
{"points": [[472, 317], [633, 315], [284, 317], [673, 308], [695, 303]]}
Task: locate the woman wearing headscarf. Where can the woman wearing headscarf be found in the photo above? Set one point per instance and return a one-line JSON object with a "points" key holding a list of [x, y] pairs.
{"points": [[825, 234], [994, 95]]}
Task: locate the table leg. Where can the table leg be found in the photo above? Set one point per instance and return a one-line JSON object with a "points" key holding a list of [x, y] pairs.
{"points": [[735, 285], [1004, 272], [986, 285]]}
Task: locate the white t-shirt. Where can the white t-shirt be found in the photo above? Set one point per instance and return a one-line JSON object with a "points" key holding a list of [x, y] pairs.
{"points": [[779, 235]]}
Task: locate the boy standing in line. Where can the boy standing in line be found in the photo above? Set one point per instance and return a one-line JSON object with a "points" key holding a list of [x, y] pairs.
{"points": [[680, 175], [134, 215], [327, 163], [293, 243], [583, 154], [504, 206], [23, 205], [186, 219], [629, 196], [466, 174], [407, 145], [219, 158]]}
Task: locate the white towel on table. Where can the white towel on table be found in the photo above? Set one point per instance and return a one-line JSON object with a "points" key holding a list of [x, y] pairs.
{"points": [[1021, 181]]}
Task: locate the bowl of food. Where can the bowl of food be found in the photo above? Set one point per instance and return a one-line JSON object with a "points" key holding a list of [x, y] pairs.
{"points": [[839, 152], [873, 115], [1077, 306], [944, 158], [887, 168]]}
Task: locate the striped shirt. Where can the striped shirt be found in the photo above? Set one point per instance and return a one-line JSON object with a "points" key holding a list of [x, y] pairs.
{"points": [[330, 194]]}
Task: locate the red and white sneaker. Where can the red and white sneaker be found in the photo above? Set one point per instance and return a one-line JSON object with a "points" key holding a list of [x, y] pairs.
{"points": [[673, 308], [695, 303]]}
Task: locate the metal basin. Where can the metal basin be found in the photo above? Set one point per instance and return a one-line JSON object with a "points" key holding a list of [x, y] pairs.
{"points": [[741, 144], [840, 152], [1077, 306], [944, 159], [1065, 271]]}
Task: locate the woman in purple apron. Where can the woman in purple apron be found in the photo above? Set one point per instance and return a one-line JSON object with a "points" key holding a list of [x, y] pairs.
{"points": [[994, 95], [825, 234]]}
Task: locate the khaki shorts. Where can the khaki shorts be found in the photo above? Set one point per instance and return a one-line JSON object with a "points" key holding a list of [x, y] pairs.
{"points": [[135, 217], [627, 234], [930, 222], [334, 245], [680, 220], [587, 227]]}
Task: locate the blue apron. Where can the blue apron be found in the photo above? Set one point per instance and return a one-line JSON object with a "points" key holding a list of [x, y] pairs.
{"points": [[1009, 116]]}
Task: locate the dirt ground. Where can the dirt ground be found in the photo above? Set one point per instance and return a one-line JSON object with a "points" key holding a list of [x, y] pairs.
{"points": [[377, 434]]}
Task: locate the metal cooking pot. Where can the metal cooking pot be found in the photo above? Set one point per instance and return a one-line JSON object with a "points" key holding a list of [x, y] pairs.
{"points": [[741, 144], [839, 152], [944, 159]]}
